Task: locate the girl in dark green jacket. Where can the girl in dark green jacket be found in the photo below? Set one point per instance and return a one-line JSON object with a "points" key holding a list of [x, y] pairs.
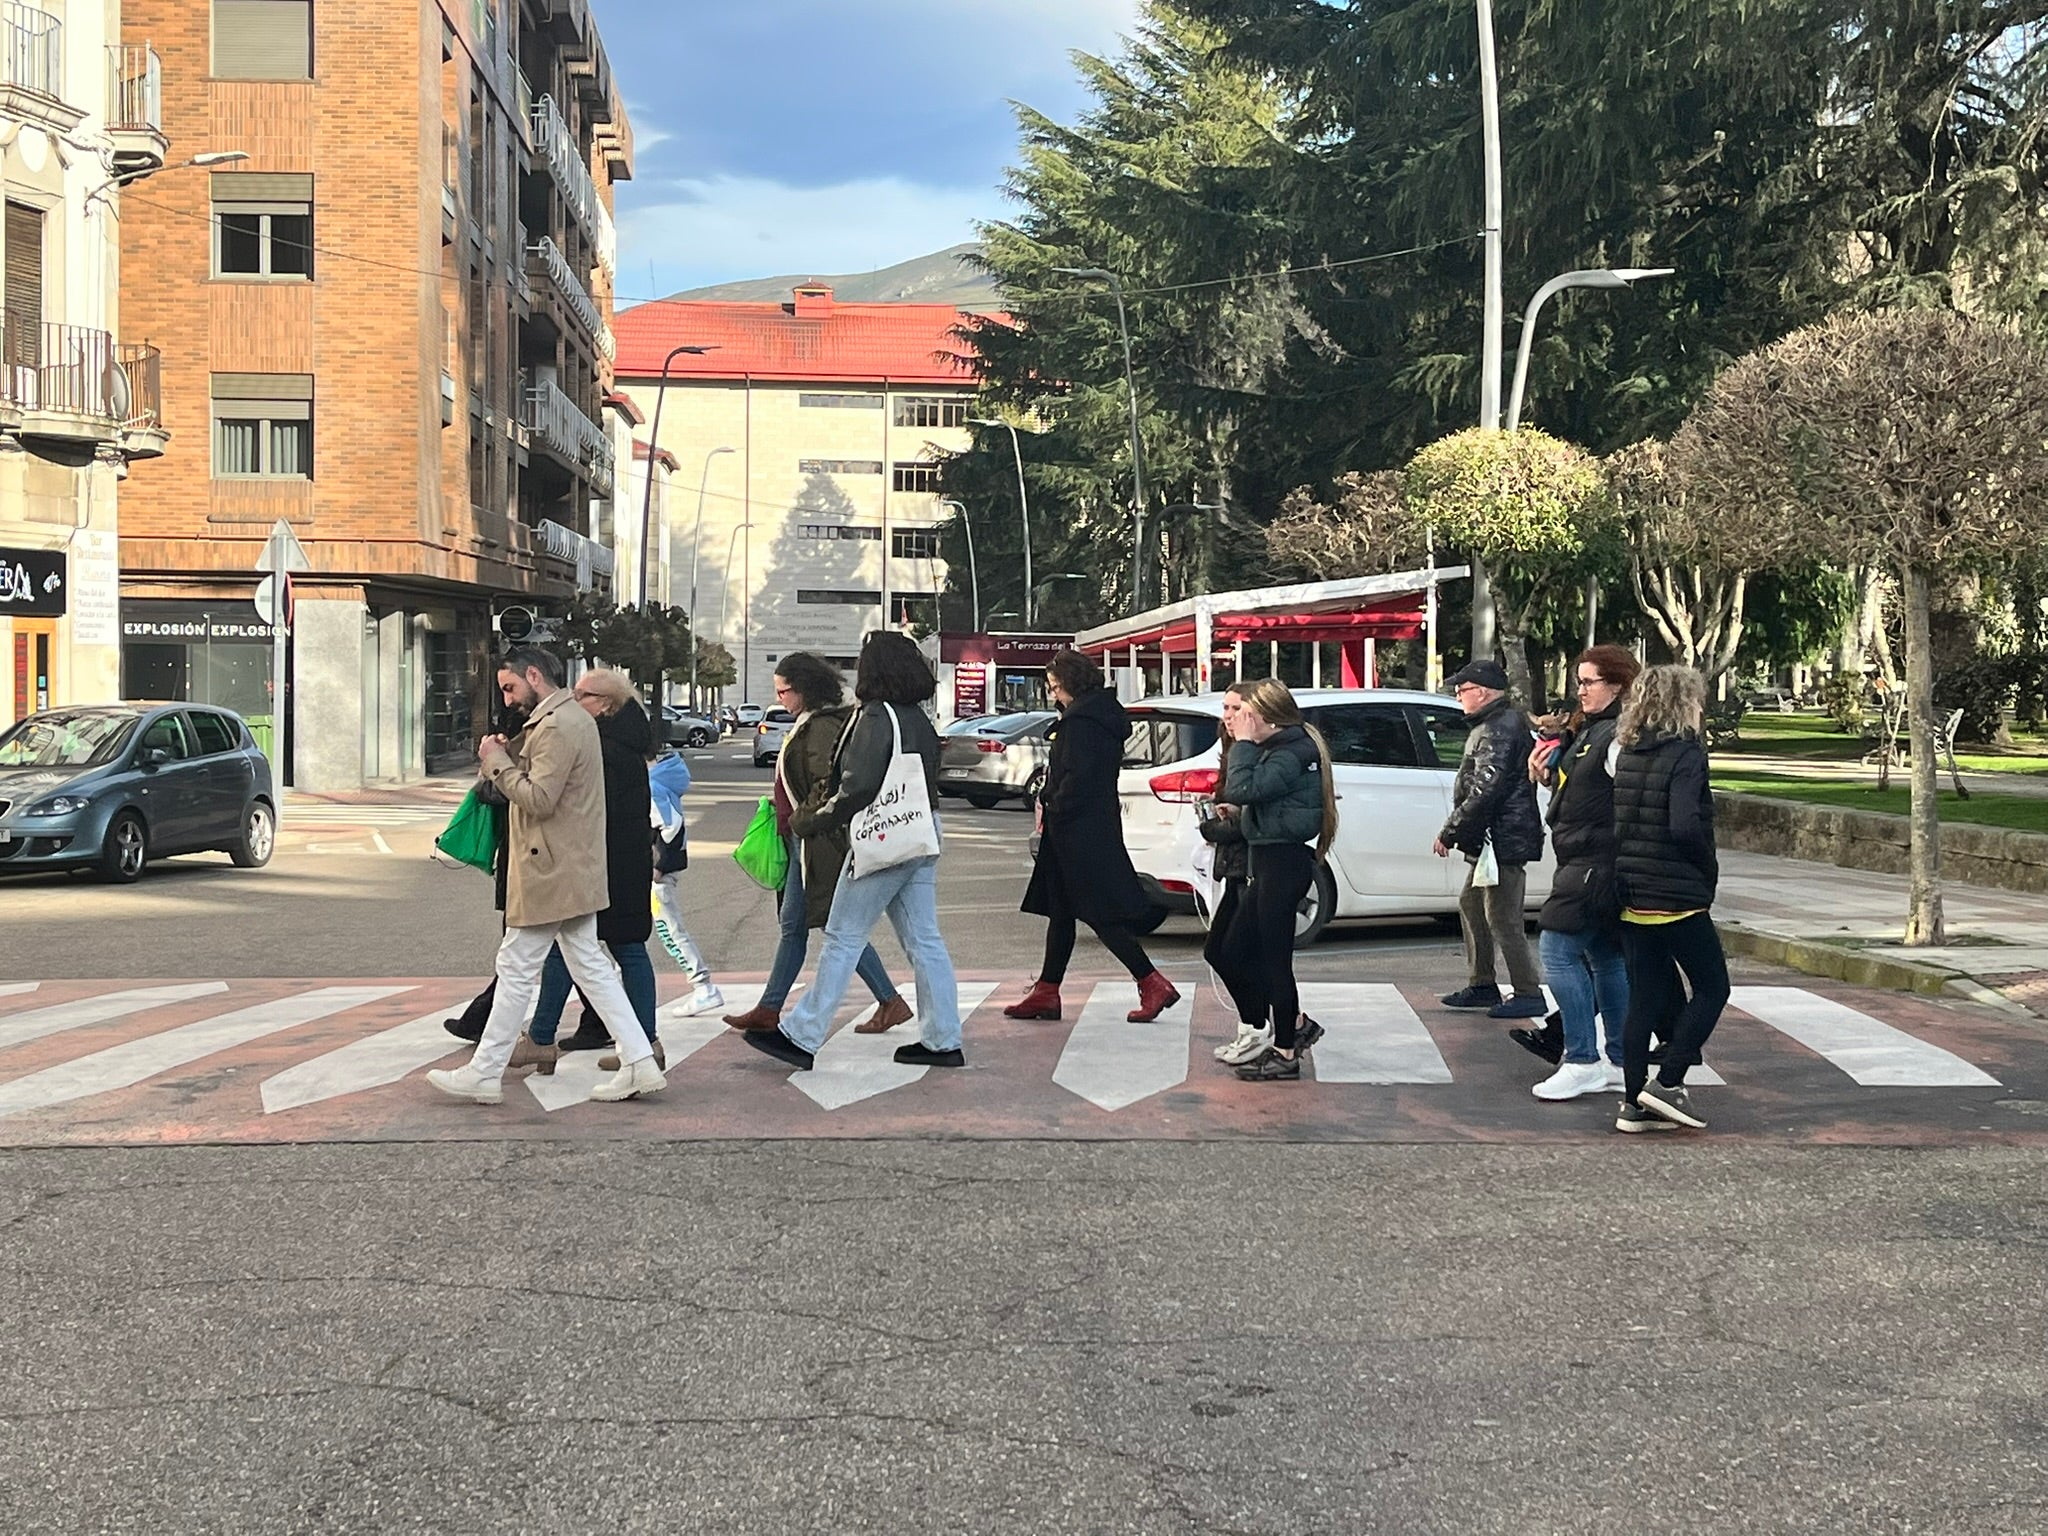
{"points": [[1278, 786]]}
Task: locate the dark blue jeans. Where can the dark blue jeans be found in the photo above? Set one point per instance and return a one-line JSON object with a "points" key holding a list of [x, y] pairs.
{"points": [[796, 939], [636, 974]]}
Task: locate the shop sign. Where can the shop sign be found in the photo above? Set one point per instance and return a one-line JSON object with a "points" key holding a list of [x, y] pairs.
{"points": [[32, 583], [970, 692], [198, 627]]}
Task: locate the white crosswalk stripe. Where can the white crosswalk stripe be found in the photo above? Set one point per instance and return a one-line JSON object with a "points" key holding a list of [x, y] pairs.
{"points": [[1371, 1035], [682, 1036], [135, 1061], [853, 1067], [17, 988], [371, 1062], [1871, 1052], [1113, 1063], [324, 815], [36, 1023]]}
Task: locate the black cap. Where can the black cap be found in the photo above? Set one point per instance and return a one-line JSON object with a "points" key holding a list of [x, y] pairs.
{"points": [[1487, 674]]}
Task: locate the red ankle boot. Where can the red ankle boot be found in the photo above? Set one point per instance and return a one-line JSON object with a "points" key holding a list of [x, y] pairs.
{"points": [[1155, 995], [1041, 1002]]}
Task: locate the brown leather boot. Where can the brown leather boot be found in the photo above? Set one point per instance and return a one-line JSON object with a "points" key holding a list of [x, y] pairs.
{"points": [[541, 1058], [1155, 995], [1041, 1002], [756, 1018], [885, 1017], [612, 1063]]}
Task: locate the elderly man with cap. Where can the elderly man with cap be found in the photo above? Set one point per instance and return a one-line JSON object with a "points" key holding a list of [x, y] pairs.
{"points": [[1494, 803]]}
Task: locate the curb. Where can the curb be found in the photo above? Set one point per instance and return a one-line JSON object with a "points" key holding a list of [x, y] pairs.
{"points": [[1864, 970]]}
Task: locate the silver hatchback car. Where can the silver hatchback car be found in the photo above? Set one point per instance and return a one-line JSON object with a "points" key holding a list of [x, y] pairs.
{"points": [[769, 733]]}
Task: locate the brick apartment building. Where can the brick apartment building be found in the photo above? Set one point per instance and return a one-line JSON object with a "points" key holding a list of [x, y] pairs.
{"points": [[813, 431], [389, 325]]}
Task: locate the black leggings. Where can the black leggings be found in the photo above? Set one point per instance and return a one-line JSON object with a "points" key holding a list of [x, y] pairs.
{"points": [[1256, 955], [1059, 947], [1657, 955]]}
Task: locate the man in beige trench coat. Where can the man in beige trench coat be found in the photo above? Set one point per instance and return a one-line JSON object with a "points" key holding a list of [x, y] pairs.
{"points": [[552, 777]]}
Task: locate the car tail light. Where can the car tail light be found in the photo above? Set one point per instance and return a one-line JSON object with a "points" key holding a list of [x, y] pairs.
{"points": [[988, 744], [1188, 786], [1178, 887]]}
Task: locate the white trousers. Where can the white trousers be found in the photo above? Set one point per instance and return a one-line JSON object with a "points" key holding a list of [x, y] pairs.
{"points": [[675, 937], [521, 955]]}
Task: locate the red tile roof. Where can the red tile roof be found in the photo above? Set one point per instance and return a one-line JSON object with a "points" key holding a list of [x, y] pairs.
{"points": [[850, 344]]}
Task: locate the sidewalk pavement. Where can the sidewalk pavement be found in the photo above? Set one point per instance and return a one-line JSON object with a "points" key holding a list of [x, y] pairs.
{"points": [[438, 789], [1846, 923], [2026, 786]]}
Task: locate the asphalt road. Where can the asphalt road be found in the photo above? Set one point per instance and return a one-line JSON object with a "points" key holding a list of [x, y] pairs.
{"points": [[1701, 1335]]}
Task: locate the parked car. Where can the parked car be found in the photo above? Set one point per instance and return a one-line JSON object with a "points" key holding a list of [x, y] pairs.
{"points": [[769, 733], [998, 758], [749, 715], [963, 724], [1394, 755], [113, 786], [689, 728]]}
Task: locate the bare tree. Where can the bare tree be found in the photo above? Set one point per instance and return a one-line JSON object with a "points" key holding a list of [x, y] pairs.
{"points": [[1691, 585], [1916, 439], [1369, 530]]}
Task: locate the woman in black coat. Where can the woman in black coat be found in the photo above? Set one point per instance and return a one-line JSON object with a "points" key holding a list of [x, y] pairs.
{"points": [[1083, 872], [627, 739]]}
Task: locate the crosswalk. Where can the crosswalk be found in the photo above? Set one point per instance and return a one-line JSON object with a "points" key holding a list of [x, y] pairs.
{"points": [[330, 1059], [321, 813]]}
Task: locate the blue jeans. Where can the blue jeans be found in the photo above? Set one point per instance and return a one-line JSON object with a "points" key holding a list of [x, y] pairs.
{"points": [[909, 894], [1587, 971], [636, 975], [796, 939]]}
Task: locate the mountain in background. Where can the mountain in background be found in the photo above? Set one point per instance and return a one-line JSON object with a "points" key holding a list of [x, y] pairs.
{"points": [[940, 278]]}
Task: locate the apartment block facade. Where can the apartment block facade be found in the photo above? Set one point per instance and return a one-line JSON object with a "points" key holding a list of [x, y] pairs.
{"points": [[79, 396], [806, 446], [389, 326]]}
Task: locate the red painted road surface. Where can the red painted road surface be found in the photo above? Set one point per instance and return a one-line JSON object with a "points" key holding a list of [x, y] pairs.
{"points": [[124, 1063]]}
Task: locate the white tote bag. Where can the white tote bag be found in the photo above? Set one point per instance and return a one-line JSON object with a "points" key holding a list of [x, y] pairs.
{"points": [[898, 826]]}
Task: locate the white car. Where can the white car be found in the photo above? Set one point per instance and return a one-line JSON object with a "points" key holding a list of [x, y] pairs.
{"points": [[1395, 757]]}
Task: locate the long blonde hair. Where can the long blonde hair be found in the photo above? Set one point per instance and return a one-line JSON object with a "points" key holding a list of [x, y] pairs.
{"points": [[1275, 705], [1666, 701]]}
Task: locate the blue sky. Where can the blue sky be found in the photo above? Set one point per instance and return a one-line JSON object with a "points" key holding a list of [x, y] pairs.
{"points": [[827, 135]]}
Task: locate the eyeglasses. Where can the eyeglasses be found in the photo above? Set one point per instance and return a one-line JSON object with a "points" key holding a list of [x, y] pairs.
{"points": [[1590, 682]]}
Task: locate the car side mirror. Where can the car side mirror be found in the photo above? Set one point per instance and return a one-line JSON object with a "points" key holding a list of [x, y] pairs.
{"points": [[155, 757]]}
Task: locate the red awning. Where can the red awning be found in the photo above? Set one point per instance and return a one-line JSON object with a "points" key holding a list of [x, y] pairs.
{"points": [[1400, 616]]}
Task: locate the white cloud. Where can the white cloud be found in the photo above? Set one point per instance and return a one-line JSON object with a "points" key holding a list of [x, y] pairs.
{"points": [[724, 228]]}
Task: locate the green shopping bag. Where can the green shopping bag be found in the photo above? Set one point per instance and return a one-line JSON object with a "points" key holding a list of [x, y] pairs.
{"points": [[762, 853], [472, 834]]}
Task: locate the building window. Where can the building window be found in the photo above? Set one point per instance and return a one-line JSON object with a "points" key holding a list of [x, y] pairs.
{"points": [[263, 225], [263, 39], [920, 609], [23, 330], [914, 544], [930, 411], [839, 466], [840, 402], [263, 426], [829, 532], [919, 479], [836, 598]]}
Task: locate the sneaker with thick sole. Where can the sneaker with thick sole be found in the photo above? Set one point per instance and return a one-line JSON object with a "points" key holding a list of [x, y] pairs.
{"points": [[1547, 1042], [1572, 1080], [918, 1054], [703, 1000], [1616, 1078], [1520, 1008], [466, 1082], [1306, 1033], [1633, 1118], [1673, 1104], [1271, 1068], [1472, 997], [1249, 1045]]}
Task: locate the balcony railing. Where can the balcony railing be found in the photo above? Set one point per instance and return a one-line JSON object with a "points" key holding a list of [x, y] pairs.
{"points": [[143, 368], [79, 371], [555, 144], [135, 89], [547, 257], [31, 49], [565, 432], [590, 558]]}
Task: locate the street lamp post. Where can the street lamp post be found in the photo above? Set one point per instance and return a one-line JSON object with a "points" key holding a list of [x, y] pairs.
{"points": [[1178, 509], [696, 546], [1116, 287], [1493, 306], [973, 571], [201, 162], [647, 493], [724, 591], [1023, 503], [1589, 277]]}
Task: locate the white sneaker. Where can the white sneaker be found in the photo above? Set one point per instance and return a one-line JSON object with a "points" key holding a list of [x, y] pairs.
{"points": [[1615, 1080], [1572, 1080], [643, 1076], [704, 999], [1222, 1052], [466, 1082], [1249, 1045]]}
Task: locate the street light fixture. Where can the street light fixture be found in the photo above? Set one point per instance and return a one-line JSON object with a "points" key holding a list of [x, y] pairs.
{"points": [[647, 496], [1023, 503], [724, 595], [1116, 287], [1589, 277], [973, 571], [696, 546], [199, 162]]}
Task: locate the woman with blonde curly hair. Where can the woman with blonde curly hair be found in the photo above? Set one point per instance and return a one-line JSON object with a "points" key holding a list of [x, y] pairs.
{"points": [[1667, 871]]}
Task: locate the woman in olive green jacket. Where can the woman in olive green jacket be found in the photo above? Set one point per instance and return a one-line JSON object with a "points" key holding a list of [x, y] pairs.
{"points": [[811, 688]]}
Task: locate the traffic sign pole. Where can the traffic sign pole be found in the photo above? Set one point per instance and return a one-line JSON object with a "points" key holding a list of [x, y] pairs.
{"points": [[282, 555]]}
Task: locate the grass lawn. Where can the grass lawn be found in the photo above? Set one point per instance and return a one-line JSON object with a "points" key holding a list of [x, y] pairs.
{"points": [[1814, 738], [2023, 813]]}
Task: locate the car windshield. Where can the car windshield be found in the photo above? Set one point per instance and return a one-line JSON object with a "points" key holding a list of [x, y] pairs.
{"points": [[67, 741]]}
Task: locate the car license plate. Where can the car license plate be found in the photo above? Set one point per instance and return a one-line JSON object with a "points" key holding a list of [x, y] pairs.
{"points": [[6, 836]]}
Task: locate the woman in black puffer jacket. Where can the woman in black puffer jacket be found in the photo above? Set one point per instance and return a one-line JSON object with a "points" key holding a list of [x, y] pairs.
{"points": [[1667, 872]]}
